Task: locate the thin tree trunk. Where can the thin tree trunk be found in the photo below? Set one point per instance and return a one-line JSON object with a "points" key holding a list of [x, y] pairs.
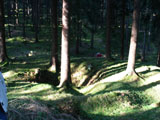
{"points": [[92, 39], [36, 21], [65, 60], [108, 39], [133, 41], [14, 13], [54, 53], [78, 28], [3, 53], [24, 18], [28, 11], [78, 37], [158, 58], [17, 12], [144, 47], [123, 29], [9, 18]]}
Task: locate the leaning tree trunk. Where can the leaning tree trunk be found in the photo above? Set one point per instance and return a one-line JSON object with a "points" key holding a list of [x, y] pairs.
{"points": [[3, 53], [133, 41], [65, 60], [54, 53], [108, 38]]}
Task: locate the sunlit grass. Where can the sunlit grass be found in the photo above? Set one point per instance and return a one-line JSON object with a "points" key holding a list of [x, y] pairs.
{"points": [[109, 96]]}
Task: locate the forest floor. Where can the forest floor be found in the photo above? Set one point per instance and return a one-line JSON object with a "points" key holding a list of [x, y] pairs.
{"points": [[102, 91]]}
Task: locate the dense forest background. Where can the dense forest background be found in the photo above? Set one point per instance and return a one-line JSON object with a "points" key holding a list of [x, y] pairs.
{"points": [[81, 59]]}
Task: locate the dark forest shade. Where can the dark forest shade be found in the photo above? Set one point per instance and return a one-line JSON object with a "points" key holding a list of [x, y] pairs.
{"points": [[3, 54], [133, 42]]}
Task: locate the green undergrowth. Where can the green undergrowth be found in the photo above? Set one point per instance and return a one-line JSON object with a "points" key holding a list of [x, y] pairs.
{"points": [[127, 98]]}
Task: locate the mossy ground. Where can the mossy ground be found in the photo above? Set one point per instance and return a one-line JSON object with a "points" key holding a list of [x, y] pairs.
{"points": [[130, 98]]}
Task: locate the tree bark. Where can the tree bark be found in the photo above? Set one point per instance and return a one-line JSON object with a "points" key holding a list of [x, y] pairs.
{"points": [[24, 18], [54, 53], [92, 39], [9, 19], [36, 20], [123, 29], [108, 38], [133, 41], [143, 57], [78, 33], [158, 58], [65, 60], [3, 53], [17, 12]]}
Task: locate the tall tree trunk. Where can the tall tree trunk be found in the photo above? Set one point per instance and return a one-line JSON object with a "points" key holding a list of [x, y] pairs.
{"points": [[24, 18], [36, 20], [17, 12], [3, 53], [133, 41], [78, 28], [144, 47], [9, 18], [14, 12], [65, 60], [123, 29], [28, 11], [54, 53], [78, 37], [108, 38], [47, 10]]}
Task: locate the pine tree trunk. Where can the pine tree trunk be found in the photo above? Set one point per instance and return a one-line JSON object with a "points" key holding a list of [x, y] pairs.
{"points": [[133, 41], [92, 39], [24, 18], [65, 60], [123, 29], [36, 20], [3, 53], [54, 53], [17, 12], [9, 19], [14, 13], [78, 28], [78, 37], [158, 58], [108, 38], [144, 47]]}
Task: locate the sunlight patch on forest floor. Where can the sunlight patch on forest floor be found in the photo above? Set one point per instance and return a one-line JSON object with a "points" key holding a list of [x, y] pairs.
{"points": [[121, 75]]}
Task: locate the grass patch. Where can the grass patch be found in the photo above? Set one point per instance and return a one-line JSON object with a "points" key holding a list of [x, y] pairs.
{"points": [[102, 99]]}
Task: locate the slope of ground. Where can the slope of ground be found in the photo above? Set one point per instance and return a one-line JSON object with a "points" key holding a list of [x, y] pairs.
{"points": [[109, 94]]}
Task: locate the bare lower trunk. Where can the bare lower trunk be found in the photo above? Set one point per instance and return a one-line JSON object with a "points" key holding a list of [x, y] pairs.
{"points": [[133, 42], [158, 59]]}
